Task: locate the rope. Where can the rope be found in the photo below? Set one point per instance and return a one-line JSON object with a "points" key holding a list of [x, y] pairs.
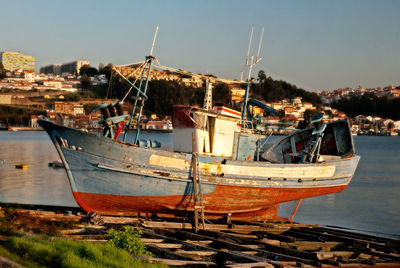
{"points": [[137, 77], [193, 74], [110, 82]]}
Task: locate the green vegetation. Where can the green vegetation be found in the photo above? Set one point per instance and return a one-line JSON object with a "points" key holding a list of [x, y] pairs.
{"points": [[88, 70], [162, 95], [85, 81], [17, 116], [369, 104], [42, 251], [269, 89], [222, 94], [45, 249], [128, 239], [2, 71]]}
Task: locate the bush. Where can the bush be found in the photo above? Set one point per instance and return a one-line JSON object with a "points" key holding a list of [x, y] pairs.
{"points": [[128, 239]]}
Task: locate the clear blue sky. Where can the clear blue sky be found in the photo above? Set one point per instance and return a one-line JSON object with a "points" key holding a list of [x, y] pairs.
{"points": [[314, 44]]}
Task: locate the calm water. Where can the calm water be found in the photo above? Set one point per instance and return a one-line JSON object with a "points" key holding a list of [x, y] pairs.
{"points": [[371, 203]]}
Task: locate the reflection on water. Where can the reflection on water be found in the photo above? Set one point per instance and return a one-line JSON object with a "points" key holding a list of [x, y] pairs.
{"points": [[370, 203], [38, 184]]}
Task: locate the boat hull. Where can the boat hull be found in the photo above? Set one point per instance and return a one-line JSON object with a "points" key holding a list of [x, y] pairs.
{"points": [[117, 178]]}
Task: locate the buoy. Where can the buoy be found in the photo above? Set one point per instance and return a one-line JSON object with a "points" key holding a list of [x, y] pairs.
{"points": [[56, 164], [22, 166]]}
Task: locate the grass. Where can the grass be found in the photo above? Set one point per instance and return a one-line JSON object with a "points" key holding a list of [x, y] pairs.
{"points": [[37, 251], [34, 243]]}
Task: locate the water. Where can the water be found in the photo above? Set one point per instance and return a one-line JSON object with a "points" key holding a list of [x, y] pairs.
{"points": [[370, 203]]}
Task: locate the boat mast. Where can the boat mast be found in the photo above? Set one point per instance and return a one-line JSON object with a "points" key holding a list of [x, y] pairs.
{"points": [[248, 55], [146, 67], [253, 62]]}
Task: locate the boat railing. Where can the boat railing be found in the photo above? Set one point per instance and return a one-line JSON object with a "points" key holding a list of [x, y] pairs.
{"points": [[266, 127]]}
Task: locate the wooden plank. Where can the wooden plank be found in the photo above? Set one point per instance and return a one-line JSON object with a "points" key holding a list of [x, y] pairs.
{"points": [[249, 265], [167, 253], [252, 253], [220, 243], [151, 240], [251, 236], [120, 220], [312, 245], [214, 227], [284, 263], [283, 225], [265, 247], [248, 257], [323, 255], [164, 245], [271, 242], [251, 246], [199, 242], [172, 262], [169, 225], [221, 255], [196, 255], [280, 237]]}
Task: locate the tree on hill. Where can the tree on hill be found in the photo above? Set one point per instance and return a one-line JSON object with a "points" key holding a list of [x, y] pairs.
{"points": [[2, 71], [106, 70], [269, 89], [88, 70], [162, 95], [222, 94], [85, 81], [369, 104]]}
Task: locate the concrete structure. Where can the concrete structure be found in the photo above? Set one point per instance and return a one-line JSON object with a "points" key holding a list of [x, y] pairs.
{"points": [[51, 69], [73, 67], [15, 60], [66, 68]]}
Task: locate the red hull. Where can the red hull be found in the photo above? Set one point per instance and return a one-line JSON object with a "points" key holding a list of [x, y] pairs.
{"points": [[245, 203]]}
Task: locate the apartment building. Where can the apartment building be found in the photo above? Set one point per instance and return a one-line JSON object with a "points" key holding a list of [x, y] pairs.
{"points": [[51, 69], [15, 60], [73, 67], [66, 68]]}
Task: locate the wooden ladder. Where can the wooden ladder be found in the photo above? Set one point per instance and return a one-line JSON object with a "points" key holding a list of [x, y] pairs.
{"points": [[197, 192]]}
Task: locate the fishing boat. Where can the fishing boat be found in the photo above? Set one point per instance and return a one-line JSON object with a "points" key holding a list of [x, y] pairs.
{"points": [[218, 163]]}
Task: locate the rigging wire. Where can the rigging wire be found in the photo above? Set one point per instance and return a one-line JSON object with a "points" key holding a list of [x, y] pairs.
{"points": [[137, 77]]}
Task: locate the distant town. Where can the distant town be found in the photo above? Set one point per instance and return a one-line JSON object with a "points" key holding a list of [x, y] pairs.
{"points": [[48, 94]]}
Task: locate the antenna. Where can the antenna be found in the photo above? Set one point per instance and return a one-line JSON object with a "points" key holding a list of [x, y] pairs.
{"points": [[259, 48], [247, 56], [154, 41], [248, 50], [253, 62]]}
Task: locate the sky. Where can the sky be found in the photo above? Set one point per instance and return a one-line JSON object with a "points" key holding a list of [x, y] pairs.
{"points": [[315, 44]]}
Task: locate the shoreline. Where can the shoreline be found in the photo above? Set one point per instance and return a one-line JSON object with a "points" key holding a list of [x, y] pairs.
{"points": [[174, 241]]}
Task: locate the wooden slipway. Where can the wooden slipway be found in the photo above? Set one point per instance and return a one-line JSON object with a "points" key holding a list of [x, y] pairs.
{"points": [[239, 244]]}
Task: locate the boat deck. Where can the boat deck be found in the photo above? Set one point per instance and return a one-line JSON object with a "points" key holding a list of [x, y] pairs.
{"points": [[236, 244]]}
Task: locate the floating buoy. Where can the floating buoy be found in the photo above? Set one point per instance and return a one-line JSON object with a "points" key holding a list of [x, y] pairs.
{"points": [[56, 164], [22, 166]]}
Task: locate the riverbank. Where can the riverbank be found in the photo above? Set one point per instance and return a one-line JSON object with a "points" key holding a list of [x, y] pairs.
{"points": [[59, 238], [28, 240]]}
